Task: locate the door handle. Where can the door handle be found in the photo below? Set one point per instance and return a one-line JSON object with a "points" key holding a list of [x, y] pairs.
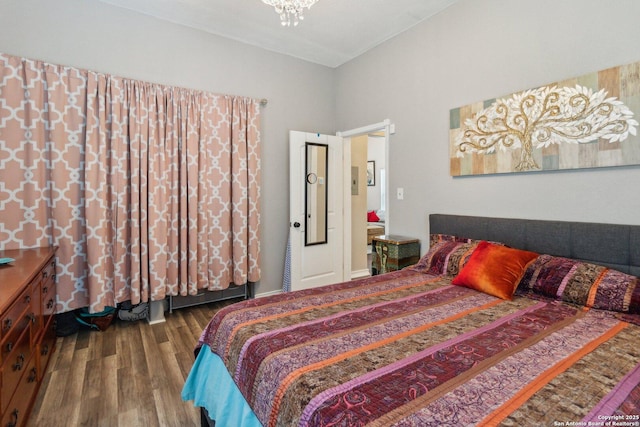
{"points": [[296, 224]]}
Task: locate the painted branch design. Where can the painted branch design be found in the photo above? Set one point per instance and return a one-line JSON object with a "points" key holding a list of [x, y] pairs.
{"points": [[540, 117]]}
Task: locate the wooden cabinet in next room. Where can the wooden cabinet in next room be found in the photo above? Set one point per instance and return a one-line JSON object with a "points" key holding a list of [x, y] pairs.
{"points": [[392, 252]]}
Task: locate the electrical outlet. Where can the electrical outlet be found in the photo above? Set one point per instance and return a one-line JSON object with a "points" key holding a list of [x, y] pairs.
{"points": [[400, 193]]}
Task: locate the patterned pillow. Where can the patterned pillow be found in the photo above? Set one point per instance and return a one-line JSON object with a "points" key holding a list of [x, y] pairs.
{"points": [[447, 255], [582, 283], [437, 238]]}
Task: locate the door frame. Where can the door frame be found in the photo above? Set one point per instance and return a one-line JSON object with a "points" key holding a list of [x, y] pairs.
{"points": [[389, 129]]}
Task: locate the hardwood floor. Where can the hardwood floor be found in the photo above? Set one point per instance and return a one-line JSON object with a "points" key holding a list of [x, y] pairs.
{"points": [[129, 375]]}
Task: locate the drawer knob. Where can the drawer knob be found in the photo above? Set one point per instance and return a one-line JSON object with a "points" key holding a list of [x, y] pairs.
{"points": [[9, 347], [50, 303], [8, 323], [14, 419], [27, 299], [19, 363], [45, 350], [32, 375], [45, 289], [45, 274], [31, 317]]}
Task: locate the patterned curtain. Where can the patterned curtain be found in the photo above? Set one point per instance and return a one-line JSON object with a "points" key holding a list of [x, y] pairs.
{"points": [[147, 190]]}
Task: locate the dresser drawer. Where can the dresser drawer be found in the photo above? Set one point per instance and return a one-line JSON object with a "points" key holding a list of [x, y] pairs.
{"points": [[43, 303], [48, 299], [48, 293], [36, 309], [49, 273], [13, 368], [46, 347], [17, 411], [16, 319]]}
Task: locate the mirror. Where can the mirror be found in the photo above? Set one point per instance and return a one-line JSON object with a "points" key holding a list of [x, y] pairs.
{"points": [[315, 212]]}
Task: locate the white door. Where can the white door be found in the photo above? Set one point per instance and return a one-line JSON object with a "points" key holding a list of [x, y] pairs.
{"points": [[317, 252]]}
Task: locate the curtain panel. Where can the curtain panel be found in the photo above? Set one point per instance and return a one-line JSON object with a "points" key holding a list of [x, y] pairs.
{"points": [[148, 190]]}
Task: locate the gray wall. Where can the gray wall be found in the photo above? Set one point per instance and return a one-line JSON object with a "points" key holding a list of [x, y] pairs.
{"points": [[474, 50], [477, 50], [100, 37]]}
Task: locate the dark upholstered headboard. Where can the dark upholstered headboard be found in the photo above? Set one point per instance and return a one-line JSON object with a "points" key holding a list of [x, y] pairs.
{"points": [[612, 245]]}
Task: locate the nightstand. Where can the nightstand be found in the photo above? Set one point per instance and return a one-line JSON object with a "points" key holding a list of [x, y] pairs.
{"points": [[392, 252]]}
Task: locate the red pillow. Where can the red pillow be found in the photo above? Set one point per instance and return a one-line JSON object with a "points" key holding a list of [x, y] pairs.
{"points": [[372, 216], [494, 269]]}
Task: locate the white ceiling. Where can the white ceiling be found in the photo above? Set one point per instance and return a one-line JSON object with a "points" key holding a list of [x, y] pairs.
{"points": [[332, 33]]}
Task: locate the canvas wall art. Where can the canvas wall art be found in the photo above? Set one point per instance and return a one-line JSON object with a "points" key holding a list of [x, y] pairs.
{"points": [[583, 122]]}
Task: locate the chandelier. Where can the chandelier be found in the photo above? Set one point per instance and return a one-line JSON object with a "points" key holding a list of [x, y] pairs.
{"points": [[290, 11]]}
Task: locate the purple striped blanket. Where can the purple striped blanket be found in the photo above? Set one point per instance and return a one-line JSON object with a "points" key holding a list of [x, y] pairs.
{"points": [[410, 349]]}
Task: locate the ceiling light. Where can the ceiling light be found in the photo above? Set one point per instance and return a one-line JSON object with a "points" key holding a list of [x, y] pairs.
{"points": [[290, 11]]}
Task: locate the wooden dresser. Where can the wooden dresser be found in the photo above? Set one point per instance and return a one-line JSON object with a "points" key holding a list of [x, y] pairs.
{"points": [[27, 330]]}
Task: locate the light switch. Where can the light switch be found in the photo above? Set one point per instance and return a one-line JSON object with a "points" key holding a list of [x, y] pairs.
{"points": [[400, 193], [354, 180]]}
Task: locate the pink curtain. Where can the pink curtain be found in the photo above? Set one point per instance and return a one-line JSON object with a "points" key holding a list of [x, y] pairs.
{"points": [[147, 190]]}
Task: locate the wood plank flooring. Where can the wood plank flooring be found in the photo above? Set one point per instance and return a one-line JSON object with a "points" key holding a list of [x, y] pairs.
{"points": [[129, 375]]}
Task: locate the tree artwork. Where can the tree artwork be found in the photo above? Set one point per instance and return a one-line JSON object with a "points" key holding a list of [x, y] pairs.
{"points": [[540, 117]]}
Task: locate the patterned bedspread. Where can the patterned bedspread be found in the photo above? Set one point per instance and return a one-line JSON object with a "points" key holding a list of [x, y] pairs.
{"points": [[410, 349]]}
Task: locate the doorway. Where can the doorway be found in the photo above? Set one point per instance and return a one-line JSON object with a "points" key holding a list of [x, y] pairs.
{"points": [[358, 203]]}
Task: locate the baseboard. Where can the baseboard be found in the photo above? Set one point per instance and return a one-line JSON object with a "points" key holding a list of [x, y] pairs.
{"points": [[268, 294], [358, 274]]}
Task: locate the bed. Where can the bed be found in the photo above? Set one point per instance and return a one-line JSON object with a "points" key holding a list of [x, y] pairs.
{"points": [[373, 230], [375, 224], [501, 322]]}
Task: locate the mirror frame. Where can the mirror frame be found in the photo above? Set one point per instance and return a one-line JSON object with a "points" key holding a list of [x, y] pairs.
{"points": [[312, 176]]}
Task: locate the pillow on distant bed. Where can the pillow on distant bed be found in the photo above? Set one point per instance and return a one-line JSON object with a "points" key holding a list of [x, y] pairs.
{"points": [[582, 283], [372, 216], [495, 269]]}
